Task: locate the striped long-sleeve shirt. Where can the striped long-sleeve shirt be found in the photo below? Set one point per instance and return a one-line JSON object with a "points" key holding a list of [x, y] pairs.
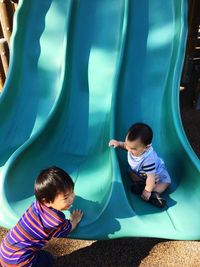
{"points": [[36, 226]]}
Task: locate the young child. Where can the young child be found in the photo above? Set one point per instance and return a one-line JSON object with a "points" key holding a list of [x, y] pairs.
{"points": [[147, 171], [44, 219]]}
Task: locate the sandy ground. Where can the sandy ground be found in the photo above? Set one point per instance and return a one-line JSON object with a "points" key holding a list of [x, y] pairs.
{"points": [[132, 252], [125, 252]]}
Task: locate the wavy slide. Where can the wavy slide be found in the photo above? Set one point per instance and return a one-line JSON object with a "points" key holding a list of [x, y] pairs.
{"points": [[87, 71], [35, 73]]}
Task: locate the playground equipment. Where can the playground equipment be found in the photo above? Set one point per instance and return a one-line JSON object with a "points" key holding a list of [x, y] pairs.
{"points": [[7, 9], [83, 73]]}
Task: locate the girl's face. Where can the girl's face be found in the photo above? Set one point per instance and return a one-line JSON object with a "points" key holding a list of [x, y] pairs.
{"points": [[136, 147], [62, 201]]}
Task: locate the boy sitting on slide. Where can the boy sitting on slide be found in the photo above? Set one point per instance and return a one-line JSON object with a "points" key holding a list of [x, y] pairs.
{"points": [[147, 171]]}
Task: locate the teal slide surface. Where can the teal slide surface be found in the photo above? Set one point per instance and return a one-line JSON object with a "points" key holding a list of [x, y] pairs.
{"points": [[81, 74], [35, 74]]}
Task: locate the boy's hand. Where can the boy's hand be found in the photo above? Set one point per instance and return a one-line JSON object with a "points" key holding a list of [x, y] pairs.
{"points": [[114, 143], [145, 195], [76, 217]]}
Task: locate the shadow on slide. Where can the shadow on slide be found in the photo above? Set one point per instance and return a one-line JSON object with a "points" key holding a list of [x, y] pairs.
{"points": [[119, 62]]}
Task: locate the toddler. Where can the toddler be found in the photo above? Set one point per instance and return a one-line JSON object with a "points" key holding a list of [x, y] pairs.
{"points": [[44, 219], [147, 171]]}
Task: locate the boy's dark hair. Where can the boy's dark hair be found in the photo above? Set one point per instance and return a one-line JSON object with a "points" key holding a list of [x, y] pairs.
{"points": [[50, 182], [142, 131]]}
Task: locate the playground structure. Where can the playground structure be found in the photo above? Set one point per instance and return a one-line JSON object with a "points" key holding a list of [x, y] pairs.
{"points": [[191, 70], [81, 79], [7, 9]]}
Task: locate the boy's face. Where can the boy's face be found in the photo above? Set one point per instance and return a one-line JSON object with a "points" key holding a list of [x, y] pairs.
{"points": [[62, 201], [136, 147]]}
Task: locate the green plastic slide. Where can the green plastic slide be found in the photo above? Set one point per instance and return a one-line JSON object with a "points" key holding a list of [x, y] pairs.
{"points": [[35, 73], [81, 73]]}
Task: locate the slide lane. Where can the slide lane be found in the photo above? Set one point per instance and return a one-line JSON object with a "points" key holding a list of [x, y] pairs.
{"points": [[33, 83]]}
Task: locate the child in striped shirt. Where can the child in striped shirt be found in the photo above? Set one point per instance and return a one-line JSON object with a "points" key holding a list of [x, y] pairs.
{"points": [[147, 171], [44, 219]]}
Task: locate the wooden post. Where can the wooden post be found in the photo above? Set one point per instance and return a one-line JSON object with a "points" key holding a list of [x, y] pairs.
{"points": [[2, 76], [14, 4], [1, 31], [11, 7], [4, 18], [7, 9], [4, 54]]}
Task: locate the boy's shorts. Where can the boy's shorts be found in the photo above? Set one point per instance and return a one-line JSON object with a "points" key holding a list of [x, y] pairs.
{"points": [[162, 178]]}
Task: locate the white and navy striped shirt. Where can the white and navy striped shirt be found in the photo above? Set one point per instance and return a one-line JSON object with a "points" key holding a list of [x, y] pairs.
{"points": [[147, 163]]}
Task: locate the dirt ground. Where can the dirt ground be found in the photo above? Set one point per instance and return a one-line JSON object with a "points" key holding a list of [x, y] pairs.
{"points": [[133, 252]]}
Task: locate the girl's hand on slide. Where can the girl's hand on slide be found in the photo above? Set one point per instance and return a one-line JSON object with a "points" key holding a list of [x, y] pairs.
{"points": [[113, 143]]}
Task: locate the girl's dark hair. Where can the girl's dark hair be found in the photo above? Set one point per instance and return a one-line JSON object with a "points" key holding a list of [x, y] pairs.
{"points": [[50, 182], [140, 131]]}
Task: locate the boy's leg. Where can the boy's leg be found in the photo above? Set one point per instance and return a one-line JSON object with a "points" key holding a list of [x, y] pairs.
{"points": [[138, 183], [135, 177], [155, 198], [160, 188], [43, 259]]}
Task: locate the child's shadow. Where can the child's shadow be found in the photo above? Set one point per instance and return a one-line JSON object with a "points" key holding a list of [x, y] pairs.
{"points": [[118, 252], [91, 222], [101, 220]]}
